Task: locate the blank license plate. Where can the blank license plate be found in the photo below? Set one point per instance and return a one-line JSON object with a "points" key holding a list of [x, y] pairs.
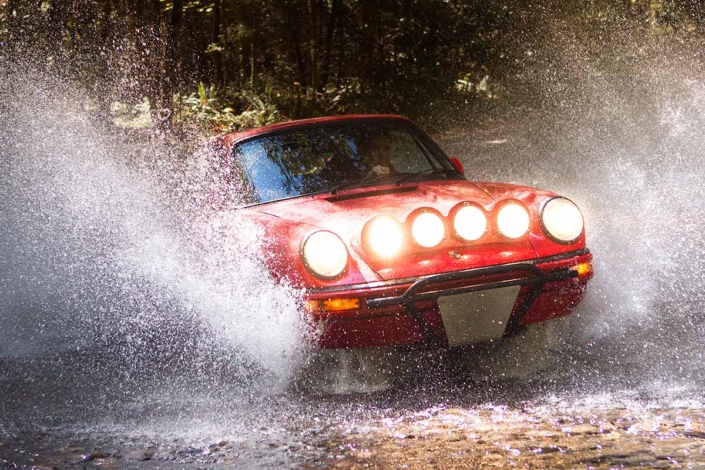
{"points": [[477, 316]]}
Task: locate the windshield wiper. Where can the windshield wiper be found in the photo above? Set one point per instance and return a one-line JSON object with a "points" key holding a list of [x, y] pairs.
{"points": [[359, 183], [429, 172]]}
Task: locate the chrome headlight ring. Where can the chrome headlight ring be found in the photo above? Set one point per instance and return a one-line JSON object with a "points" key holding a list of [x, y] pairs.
{"points": [[324, 254], [561, 220]]}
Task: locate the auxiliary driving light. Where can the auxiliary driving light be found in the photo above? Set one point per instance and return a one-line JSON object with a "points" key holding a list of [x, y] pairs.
{"points": [[428, 229], [470, 223], [385, 236], [513, 220], [324, 254], [561, 220]]}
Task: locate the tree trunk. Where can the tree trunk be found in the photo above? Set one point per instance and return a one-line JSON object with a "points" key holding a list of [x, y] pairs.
{"points": [[367, 7], [295, 54], [217, 54], [172, 55], [314, 13], [253, 57], [341, 55], [12, 17], [106, 25], [57, 20], [131, 21], [12, 12], [156, 66], [128, 8], [330, 35], [245, 47]]}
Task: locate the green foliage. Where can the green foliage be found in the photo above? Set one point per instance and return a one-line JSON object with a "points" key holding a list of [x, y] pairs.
{"points": [[138, 116], [206, 111]]}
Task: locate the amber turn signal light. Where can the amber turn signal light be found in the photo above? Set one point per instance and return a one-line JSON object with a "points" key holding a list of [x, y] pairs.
{"points": [[312, 305], [583, 269], [336, 305], [332, 305]]}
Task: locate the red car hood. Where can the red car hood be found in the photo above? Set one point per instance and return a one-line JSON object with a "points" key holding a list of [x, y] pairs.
{"points": [[347, 212]]}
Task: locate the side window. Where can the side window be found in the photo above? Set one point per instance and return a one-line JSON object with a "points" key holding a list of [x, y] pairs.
{"points": [[408, 156]]}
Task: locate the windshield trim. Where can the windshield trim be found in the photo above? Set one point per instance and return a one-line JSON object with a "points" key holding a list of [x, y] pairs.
{"points": [[428, 146]]}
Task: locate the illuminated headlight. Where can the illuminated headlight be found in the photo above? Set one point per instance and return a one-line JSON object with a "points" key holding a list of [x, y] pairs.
{"points": [[562, 220], [428, 229], [324, 254], [513, 221], [470, 223], [385, 236]]}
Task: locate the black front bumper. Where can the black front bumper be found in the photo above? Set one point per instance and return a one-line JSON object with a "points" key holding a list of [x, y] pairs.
{"points": [[523, 274]]}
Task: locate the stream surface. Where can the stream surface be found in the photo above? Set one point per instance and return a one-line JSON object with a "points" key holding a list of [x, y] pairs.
{"points": [[446, 411]]}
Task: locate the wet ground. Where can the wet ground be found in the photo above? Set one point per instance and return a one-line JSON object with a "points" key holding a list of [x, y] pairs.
{"points": [[481, 408], [486, 437]]}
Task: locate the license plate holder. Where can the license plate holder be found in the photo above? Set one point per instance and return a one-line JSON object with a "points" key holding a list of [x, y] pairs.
{"points": [[476, 317]]}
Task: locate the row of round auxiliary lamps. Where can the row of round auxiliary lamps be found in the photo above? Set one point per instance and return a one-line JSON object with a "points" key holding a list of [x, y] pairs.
{"points": [[325, 254]]}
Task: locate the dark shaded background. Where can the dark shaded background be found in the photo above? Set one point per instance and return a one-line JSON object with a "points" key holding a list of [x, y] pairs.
{"points": [[227, 64]]}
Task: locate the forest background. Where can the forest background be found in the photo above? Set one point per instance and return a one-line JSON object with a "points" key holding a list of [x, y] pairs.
{"points": [[222, 65]]}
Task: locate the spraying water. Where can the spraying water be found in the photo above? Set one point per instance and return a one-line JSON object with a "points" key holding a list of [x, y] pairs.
{"points": [[107, 239]]}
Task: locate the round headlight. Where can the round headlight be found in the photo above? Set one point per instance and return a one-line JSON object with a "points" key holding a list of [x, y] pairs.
{"points": [[428, 229], [324, 254], [513, 221], [562, 220], [385, 236], [470, 223]]}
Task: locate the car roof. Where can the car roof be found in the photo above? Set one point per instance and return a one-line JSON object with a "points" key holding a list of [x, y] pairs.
{"points": [[235, 137]]}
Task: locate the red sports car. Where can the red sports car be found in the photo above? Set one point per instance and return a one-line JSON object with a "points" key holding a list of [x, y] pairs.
{"points": [[393, 245]]}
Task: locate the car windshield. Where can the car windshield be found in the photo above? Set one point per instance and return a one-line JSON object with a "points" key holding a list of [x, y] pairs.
{"points": [[331, 157]]}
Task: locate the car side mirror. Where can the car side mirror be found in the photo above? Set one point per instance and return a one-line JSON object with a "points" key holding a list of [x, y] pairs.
{"points": [[458, 165]]}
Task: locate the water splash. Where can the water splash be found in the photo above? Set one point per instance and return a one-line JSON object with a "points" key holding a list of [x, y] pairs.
{"points": [[108, 240], [615, 128]]}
